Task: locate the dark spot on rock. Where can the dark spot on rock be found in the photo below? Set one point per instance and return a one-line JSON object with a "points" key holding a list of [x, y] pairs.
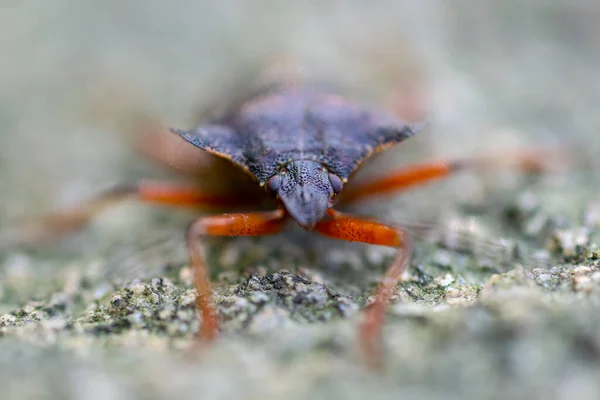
{"points": [[586, 348], [299, 279]]}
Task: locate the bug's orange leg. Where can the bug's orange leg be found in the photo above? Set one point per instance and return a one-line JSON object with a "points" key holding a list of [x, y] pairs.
{"points": [[528, 161], [50, 227], [158, 144], [241, 224], [347, 227]]}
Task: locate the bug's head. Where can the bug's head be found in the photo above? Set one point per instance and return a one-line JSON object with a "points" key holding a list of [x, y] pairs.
{"points": [[307, 189]]}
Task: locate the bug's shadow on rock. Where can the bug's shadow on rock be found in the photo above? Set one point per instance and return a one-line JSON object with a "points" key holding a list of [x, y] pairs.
{"points": [[351, 265]]}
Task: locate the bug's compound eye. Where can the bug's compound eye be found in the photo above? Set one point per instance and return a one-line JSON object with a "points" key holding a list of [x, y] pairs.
{"points": [[274, 184], [336, 183]]}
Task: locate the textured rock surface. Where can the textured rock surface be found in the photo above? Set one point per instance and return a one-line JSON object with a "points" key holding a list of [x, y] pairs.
{"points": [[503, 293]]}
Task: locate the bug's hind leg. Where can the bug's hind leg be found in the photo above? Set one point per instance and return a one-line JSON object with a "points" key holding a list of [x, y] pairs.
{"points": [[53, 226], [534, 161], [240, 224], [354, 229]]}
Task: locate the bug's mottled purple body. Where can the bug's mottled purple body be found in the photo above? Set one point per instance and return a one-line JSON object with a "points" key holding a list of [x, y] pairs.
{"points": [[311, 140], [292, 124]]}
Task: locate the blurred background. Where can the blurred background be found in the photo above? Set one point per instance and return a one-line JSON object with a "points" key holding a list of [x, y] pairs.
{"points": [[77, 77]]}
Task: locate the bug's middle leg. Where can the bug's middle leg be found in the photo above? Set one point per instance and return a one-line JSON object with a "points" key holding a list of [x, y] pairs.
{"points": [[407, 177], [60, 223], [239, 224], [347, 227]]}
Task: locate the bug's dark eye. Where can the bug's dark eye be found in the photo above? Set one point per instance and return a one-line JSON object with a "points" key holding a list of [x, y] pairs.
{"points": [[336, 183], [274, 184]]}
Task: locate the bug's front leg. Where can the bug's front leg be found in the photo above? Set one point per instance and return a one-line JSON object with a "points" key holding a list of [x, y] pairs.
{"points": [[347, 227], [239, 224]]}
